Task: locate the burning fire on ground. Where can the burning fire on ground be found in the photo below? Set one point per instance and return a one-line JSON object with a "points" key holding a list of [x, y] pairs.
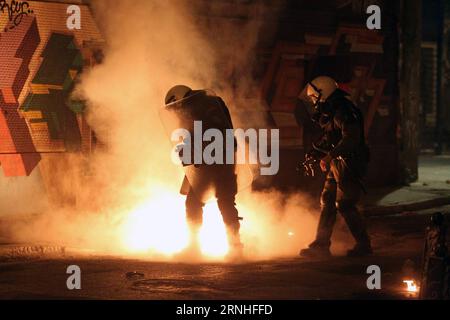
{"points": [[158, 226], [412, 289]]}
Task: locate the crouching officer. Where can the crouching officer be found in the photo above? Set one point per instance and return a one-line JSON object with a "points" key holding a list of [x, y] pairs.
{"points": [[204, 181], [343, 155]]}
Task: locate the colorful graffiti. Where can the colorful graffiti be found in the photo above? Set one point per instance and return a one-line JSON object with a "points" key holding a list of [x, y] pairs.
{"points": [[49, 103], [40, 60]]}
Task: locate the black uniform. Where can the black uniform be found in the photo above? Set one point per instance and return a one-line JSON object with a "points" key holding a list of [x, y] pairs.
{"points": [[344, 140], [218, 179]]}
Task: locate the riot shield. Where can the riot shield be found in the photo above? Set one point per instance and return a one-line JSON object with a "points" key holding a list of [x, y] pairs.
{"points": [[201, 132]]}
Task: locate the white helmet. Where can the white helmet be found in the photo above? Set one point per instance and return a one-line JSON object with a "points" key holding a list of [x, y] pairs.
{"points": [[321, 88], [177, 93]]}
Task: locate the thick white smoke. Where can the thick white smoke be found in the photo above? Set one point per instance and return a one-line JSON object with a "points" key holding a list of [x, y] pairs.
{"points": [[151, 46]]}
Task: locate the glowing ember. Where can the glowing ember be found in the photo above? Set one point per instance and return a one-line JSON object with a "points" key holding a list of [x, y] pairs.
{"points": [[159, 226], [411, 286]]}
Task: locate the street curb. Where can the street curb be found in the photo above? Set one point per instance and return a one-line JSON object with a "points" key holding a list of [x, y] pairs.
{"points": [[15, 251], [379, 211]]}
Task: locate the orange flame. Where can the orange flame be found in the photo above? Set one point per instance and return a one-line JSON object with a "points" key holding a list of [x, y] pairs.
{"points": [[159, 226], [411, 286]]}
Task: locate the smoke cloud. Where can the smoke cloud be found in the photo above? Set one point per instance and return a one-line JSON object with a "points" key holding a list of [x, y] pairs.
{"points": [[151, 46]]}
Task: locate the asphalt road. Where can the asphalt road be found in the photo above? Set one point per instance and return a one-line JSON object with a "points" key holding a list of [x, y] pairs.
{"points": [[396, 240]]}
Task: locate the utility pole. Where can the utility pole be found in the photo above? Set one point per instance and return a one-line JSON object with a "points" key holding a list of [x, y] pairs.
{"points": [[443, 76], [440, 82], [410, 56]]}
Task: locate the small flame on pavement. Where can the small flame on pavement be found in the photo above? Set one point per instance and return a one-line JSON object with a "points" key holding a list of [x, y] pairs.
{"points": [[411, 286]]}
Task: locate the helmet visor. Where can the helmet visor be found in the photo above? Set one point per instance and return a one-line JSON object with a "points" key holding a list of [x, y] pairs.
{"points": [[310, 97]]}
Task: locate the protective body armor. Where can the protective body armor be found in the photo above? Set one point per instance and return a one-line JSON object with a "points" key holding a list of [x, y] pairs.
{"points": [[344, 140], [203, 181], [344, 134]]}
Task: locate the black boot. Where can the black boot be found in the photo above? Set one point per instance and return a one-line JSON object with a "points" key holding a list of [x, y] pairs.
{"points": [[358, 229], [236, 253], [360, 250], [193, 251], [236, 248], [316, 251], [320, 248]]}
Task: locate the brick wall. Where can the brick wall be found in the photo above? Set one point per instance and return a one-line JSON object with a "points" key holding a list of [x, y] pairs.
{"points": [[36, 117]]}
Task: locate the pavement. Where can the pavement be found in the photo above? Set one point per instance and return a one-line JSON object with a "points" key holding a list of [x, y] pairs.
{"points": [[397, 241], [417, 196], [432, 190]]}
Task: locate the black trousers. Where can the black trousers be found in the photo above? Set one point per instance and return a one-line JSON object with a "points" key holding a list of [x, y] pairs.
{"points": [[340, 194], [221, 182]]}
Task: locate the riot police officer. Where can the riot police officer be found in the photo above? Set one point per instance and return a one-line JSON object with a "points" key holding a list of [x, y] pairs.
{"points": [[203, 180], [343, 155]]}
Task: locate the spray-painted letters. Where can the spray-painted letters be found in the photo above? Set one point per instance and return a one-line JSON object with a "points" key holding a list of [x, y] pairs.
{"points": [[15, 10]]}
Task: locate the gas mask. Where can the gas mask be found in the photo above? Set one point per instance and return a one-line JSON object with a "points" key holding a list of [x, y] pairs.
{"points": [[320, 106], [324, 108]]}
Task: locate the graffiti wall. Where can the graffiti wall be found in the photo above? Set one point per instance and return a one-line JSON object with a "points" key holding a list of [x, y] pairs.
{"points": [[40, 61]]}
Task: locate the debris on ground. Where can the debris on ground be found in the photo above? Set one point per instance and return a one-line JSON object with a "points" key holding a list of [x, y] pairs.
{"points": [[134, 275]]}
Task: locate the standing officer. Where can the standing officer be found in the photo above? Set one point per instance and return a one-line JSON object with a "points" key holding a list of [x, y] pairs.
{"points": [[344, 155], [207, 180]]}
